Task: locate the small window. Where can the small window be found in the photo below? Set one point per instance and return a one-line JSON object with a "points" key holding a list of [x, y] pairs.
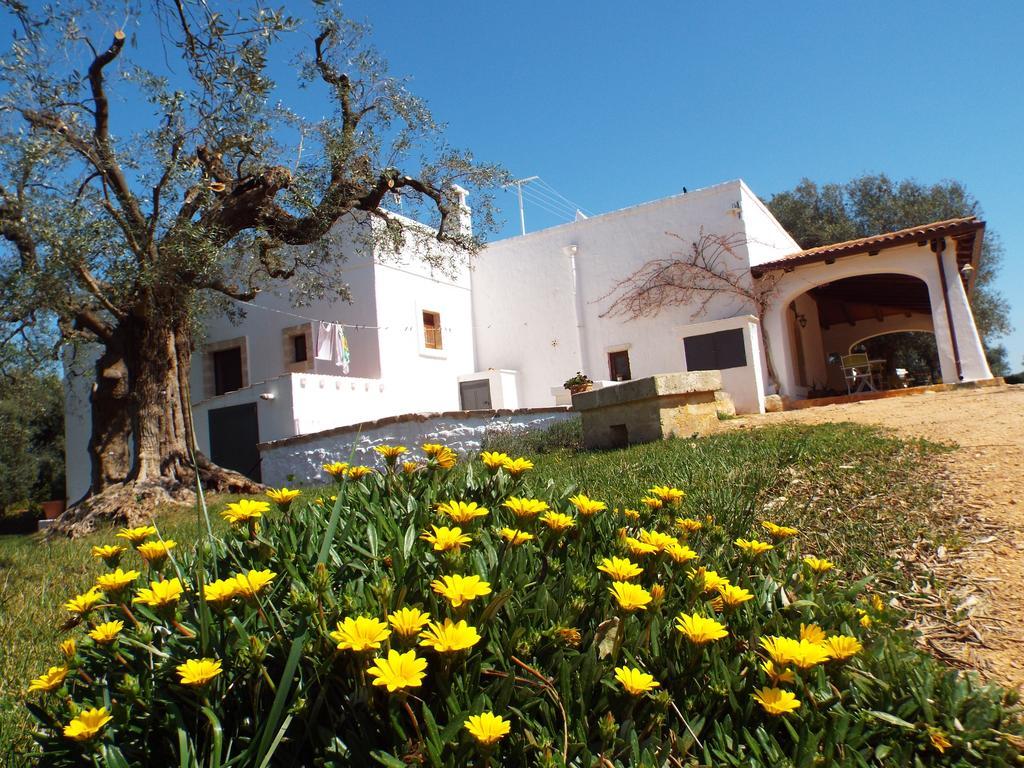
{"points": [[618, 366], [715, 351], [432, 330], [299, 352], [227, 370]]}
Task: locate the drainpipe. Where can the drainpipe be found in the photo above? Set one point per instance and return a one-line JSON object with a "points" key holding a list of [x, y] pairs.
{"points": [[571, 251], [938, 245]]}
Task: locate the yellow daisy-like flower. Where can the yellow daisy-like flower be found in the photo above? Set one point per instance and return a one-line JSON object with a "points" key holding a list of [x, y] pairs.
{"points": [[336, 469], [156, 552], [112, 583], [620, 568], [283, 497], [494, 460], [68, 647], [570, 636], [390, 452], [220, 592], [629, 596], [865, 621], [700, 630], [812, 633], [710, 581], [446, 458], [777, 674], [136, 536], [753, 546], [109, 553], [196, 672], [652, 502], [688, 525], [876, 603], [842, 647], [635, 681], [50, 681], [488, 728], [408, 621], [525, 508], [657, 593], [639, 548], [939, 740], [778, 531], [462, 511], [460, 589], [776, 701], [444, 539], [802, 653], [160, 594], [107, 632], [819, 565], [733, 596], [358, 473], [557, 522], [87, 724], [85, 602], [360, 634], [398, 670], [410, 467], [660, 541], [667, 493], [517, 466], [630, 514], [586, 506], [449, 637], [252, 583], [244, 510], [433, 449], [515, 537], [680, 553]]}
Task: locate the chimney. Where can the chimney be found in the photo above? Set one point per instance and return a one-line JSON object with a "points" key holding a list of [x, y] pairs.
{"points": [[463, 222]]}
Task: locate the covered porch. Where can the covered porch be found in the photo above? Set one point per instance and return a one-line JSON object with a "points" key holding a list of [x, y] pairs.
{"points": [[840, 317]]}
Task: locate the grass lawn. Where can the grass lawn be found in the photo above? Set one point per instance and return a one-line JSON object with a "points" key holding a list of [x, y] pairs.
{"points": [[856, 494]]}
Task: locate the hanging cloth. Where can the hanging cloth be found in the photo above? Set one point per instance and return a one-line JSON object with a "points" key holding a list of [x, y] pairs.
{"points": [[341, 353], [325, 341]]}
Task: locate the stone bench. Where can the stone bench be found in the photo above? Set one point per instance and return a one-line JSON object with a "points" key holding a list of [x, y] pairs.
{"points": [[645, 410]]}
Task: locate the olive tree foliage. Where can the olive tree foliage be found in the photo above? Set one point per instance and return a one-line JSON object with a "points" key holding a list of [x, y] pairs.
{"points": [[158, 157], [872, 204]]}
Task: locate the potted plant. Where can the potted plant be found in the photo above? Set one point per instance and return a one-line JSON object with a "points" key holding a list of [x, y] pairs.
{"points": [[578, 383]]}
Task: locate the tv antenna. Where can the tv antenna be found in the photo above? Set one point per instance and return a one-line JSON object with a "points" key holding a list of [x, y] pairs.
{"points": [[518, 184]]}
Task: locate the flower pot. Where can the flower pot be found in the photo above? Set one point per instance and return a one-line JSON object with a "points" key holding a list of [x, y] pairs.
{"points": [[580, 388], [52, 509]]}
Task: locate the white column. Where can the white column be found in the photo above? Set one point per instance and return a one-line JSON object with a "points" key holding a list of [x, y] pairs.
{"points": [[940, 327], [973, 364]]}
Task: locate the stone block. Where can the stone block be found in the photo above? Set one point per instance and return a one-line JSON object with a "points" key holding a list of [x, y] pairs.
{"points": [[774, 404]]}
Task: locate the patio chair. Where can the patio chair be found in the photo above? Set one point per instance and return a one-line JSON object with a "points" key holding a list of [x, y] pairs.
{"points": [[858, 373]]}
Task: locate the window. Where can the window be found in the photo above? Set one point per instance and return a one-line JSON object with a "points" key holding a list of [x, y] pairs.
{"points": [[227, 370], [618, 365], [715, 351], [299, 353], [432, 330]]}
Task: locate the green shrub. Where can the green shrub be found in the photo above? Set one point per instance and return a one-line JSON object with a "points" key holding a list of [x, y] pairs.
{"points": [[566, 435], [552, 635]]}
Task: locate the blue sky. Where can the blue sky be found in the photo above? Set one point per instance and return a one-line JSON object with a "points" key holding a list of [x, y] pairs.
{"points": [[616, 103]]}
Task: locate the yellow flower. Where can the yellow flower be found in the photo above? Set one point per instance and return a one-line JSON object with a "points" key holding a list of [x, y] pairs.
{"points": [[390, 452], [776, 701], [557, 522], [876, 602], [107, 632], [462, 511], [620, 568], [252, 583], [639, 548], [445, 538], [812, 633], [700, 630], [358, 473], [570, 636], [109, 553], [51, 681], [398, 670], [842, 647], [688, 524], [409, 467], [516, 467], [198, 671], [446, 458], [283, 497], [449, 637], [865, 621], [87, 724], [733, 596], [408, 621], [660, 541], [635, 681], [939, 740], [460, 589], [220, 592], [336, 469], [488, 728], [515, 537], [785, 651], [710, 581], [819, 565], [667, 493], [629, 596], [68, 648], [155, 552], [82, 604], [779, 531], [587, 506], [160, 594], [112, 583], [525, 508], [657, 593], [360, 634], [136, 536], [652, 502], [680, 553], [630, 514], [432, 449], [244, 510], [494, 460], [753, 546], [777, 674]]}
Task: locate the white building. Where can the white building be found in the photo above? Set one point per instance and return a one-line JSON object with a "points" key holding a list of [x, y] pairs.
{"points": [[506, 331]]}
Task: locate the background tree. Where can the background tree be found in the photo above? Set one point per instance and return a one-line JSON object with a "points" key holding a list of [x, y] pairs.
{"points": [[150, 166], [872, 204], [32, 426]]}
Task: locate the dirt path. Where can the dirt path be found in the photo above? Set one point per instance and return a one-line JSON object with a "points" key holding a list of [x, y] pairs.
{"points": [[986, 473]]}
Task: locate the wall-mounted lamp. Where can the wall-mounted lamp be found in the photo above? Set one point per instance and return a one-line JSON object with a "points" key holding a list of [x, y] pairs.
{"points": [[268, 396], [802, 319], [967, 270]]}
